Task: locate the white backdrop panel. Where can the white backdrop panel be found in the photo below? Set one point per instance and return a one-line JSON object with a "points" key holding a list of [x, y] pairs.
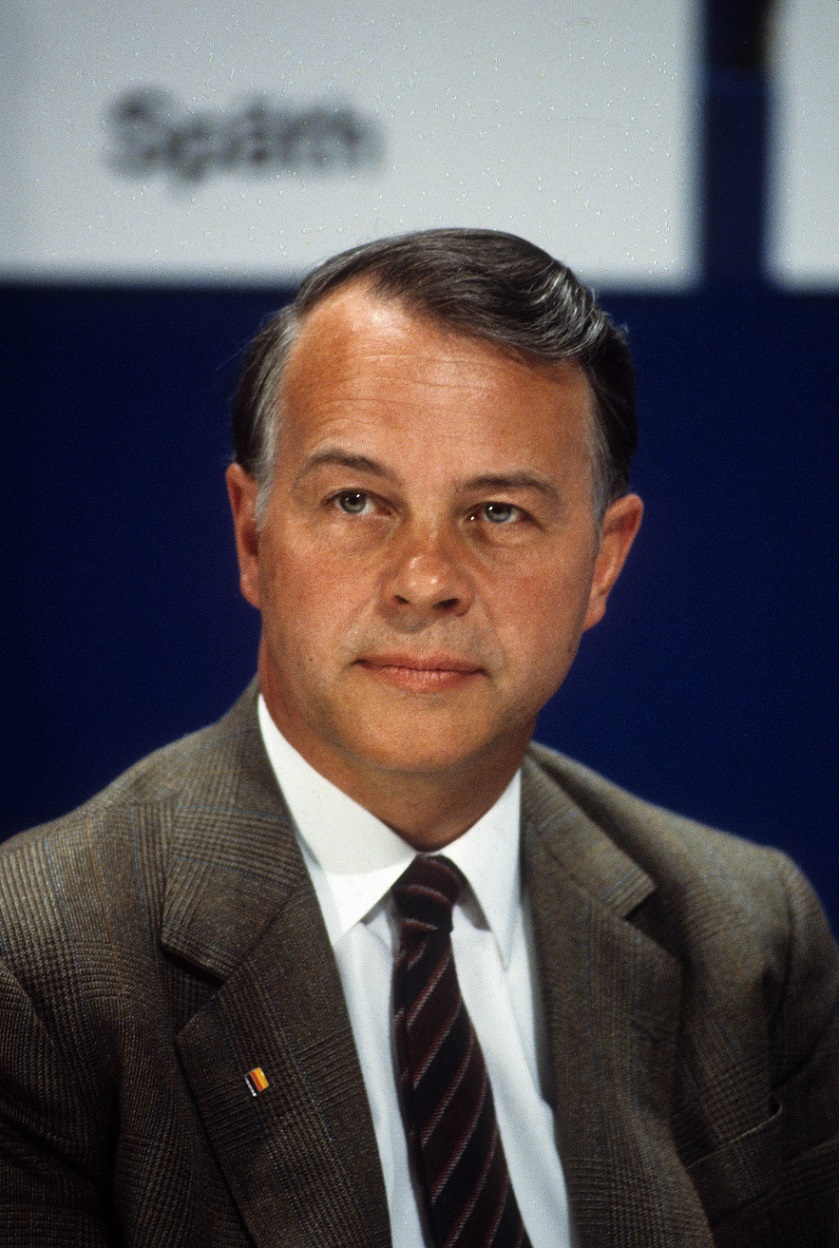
{"points": [[573, 122], [804, 149]]}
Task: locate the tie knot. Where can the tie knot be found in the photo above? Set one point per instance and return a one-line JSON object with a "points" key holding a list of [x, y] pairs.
{"points": [[426, 893]]}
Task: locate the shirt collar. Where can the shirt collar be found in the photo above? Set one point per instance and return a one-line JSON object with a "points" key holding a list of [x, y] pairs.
{"points": [[354, 858]]}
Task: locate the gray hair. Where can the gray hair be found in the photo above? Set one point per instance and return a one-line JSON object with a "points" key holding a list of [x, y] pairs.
{"points": [[482, 283]]}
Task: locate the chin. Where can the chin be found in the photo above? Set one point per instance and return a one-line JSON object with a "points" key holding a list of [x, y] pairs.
{"points": [[413, 761], [424, 752]]}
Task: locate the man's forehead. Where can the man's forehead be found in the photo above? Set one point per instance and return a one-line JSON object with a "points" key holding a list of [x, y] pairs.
{"points": [[356, 318], [356, 321], [375, 390]]}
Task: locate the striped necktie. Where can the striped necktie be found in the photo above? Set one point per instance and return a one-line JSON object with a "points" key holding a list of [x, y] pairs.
{"points": [[444, 1089]]}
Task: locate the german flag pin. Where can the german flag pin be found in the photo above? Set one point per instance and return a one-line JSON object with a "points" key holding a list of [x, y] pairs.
{"points": [[256, 1081]]}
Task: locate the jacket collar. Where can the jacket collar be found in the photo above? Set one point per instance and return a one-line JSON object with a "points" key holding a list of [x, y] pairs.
{"points": [[612, 999], [300, 1157], [234, 863]]}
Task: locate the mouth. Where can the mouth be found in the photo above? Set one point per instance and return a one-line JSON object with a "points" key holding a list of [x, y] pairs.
{"points": [[430, 673]]}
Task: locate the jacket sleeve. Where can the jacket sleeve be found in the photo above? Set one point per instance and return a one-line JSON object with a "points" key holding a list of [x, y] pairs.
{"points": [[795, 1194], [807, 1088], [51, 1138]]}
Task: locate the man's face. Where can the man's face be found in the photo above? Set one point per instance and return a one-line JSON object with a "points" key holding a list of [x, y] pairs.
{"points": [[429, 556]]}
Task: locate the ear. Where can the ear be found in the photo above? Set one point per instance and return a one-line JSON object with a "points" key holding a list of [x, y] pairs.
{"points": [[242, 490], [617, 533]]}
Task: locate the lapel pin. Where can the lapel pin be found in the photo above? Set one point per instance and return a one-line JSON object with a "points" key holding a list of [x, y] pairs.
{"points": [[256, 1081]]}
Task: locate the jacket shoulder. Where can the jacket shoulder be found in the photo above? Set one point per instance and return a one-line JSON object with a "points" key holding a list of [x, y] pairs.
{"points": [[166, 776], [99, 869], [662, 842], [711, 889]]}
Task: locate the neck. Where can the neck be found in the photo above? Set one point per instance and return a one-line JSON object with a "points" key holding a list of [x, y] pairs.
{"points": [[429, 812], [428, 809]]}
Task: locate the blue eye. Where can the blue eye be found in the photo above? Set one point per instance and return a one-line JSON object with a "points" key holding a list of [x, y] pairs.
{"points": [[353, 502], [500, 513]]}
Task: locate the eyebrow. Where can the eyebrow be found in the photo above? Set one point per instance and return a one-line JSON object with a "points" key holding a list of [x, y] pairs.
{"points": [[520, 480], [513, 481], [334, 457]]}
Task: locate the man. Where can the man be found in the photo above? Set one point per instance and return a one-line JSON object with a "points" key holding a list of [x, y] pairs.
{"points": [[634, 1041]]}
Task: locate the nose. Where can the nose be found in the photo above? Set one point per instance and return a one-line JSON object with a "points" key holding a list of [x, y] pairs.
{"points": [[426, 577]]}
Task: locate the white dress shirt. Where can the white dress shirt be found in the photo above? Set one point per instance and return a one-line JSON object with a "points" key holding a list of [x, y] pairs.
{"points": [[353, 859]]}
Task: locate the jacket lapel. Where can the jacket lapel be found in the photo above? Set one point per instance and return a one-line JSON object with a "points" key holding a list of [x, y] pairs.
{"points": [[612, 998], [300, 1156]]}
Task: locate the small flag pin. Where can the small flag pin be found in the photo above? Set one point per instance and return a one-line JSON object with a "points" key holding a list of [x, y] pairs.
{"points": [[256, 1081]]}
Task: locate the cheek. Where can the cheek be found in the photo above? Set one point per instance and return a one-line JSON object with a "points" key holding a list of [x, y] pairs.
{"points": [[308, 599], [548, 600], [540, 621]]}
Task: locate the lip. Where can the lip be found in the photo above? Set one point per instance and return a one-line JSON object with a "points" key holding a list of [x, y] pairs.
{"points": [[427, 673], [423, 663]]}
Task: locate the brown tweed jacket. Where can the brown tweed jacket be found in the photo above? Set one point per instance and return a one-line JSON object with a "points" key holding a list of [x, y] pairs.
{"points": [[164, 939]]}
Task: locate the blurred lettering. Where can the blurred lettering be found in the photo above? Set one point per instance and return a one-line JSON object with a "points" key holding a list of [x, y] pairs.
{"points": [[150, 133]]}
